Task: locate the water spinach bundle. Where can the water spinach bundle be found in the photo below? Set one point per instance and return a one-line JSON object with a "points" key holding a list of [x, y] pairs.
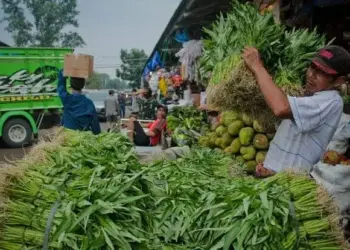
{"points": [[285, 54], [81, 191]]}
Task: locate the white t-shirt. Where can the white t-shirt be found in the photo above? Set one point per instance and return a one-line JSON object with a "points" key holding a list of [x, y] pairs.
{"points": [[301, 142], [154, 83], [134, 105]]}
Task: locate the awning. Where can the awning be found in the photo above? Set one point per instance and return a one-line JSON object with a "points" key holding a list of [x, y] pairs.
{"points": [[190, 15]]}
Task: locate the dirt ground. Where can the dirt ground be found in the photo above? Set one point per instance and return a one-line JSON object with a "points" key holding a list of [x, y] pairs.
{"points": [[12, 154]]}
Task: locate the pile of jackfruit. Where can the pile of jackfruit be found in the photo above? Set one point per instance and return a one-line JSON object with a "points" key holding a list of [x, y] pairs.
{"points": [[240, 136]]}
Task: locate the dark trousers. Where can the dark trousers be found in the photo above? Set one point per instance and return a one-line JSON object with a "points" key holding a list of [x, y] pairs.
{"points": [[140, 137], [122, 110]]}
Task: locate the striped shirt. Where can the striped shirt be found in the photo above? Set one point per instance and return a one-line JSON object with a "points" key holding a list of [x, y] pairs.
{"points": [[301, 142]]}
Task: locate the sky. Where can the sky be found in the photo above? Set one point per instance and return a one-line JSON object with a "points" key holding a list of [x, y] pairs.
{"points": [[110, 25]]}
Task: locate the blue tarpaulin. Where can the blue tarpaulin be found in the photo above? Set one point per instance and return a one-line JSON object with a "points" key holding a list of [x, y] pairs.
{"points": [[182, 36], [153, 64]]}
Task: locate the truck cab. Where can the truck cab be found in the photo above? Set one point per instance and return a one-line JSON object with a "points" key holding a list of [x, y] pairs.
{"points": [[28, 91]]}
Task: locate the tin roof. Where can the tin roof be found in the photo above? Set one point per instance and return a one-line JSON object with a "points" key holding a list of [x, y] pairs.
{"points": [[192, 15]]}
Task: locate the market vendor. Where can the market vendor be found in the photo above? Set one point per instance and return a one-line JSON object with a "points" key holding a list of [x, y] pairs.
{"points": [[309, 122], [152, 137]]}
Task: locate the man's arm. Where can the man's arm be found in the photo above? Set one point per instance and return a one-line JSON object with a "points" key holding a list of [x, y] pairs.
{"points": [[274, 96], [62, 86]]}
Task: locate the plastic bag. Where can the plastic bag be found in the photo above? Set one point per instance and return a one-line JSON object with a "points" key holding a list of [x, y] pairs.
{"points": [[340, 140], [336, 180], [154, 83]]}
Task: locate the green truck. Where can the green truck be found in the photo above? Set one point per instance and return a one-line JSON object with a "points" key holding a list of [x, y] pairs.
{"points": [[28, 91]]}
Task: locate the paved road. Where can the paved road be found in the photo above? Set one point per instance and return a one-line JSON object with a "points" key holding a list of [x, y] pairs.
{"points": [[9, 154]]}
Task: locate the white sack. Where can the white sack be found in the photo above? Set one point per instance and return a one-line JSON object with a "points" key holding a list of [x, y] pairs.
{"points": [[340, 140], [336, 180]]}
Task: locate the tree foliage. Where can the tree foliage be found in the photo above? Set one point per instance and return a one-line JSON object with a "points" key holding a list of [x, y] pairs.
{"points": [[116, 84], [103, 81], [132, 65], [47, 24], [97, 80]]}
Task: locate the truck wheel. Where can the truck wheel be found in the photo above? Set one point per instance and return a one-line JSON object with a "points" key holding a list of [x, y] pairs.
{"points": [[17, 132]]}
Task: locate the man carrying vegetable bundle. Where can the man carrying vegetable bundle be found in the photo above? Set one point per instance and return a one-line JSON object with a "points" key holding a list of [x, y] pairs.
{"points": [[152, 137], [309, 122]]}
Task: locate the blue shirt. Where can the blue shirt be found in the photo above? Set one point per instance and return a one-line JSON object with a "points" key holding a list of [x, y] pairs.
{"points": [[300, 143], [79, 111]]}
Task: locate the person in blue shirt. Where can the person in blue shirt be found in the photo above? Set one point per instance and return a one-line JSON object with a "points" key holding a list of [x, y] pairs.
{"points": [[79, 111]]}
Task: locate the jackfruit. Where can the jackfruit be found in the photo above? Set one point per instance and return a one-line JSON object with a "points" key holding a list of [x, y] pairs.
{"points": [[236, 146], [260, 141], [228, 150], [247, 119], [235, 127], [248, 153], [258, 127], [246, 136], [221, 130], [228, 117], [250, 166], [226, 140], [218, 142], [260, 156]]}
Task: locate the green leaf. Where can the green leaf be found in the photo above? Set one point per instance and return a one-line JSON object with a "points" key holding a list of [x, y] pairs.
{"points": [[84, 215], [263, 198], [246, 203], [108, 240], [231, 236]]}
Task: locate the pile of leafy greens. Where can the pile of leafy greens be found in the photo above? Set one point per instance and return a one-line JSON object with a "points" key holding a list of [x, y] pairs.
{"points": [[90, 192]]}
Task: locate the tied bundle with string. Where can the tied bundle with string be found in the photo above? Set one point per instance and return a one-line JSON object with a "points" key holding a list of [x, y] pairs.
{"points": [[285, 54]]}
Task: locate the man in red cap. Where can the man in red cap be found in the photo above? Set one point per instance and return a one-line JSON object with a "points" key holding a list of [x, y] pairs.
{"points": [[309, 122]]}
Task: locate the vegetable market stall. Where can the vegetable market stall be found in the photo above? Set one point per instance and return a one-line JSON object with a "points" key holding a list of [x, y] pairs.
{"points": [[81, 191]]}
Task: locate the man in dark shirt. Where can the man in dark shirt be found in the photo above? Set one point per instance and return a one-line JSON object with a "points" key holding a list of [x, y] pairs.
{"points": [[79, 111], [122, 104]]}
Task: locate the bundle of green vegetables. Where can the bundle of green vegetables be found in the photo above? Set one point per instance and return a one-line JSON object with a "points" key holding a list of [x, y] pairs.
{"points": [[82, 197], [91, 193], [187, 124], [286, 55], [317, 219]]}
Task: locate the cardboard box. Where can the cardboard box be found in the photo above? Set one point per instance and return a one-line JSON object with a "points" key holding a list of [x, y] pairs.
{"points": [[78, 65]]}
